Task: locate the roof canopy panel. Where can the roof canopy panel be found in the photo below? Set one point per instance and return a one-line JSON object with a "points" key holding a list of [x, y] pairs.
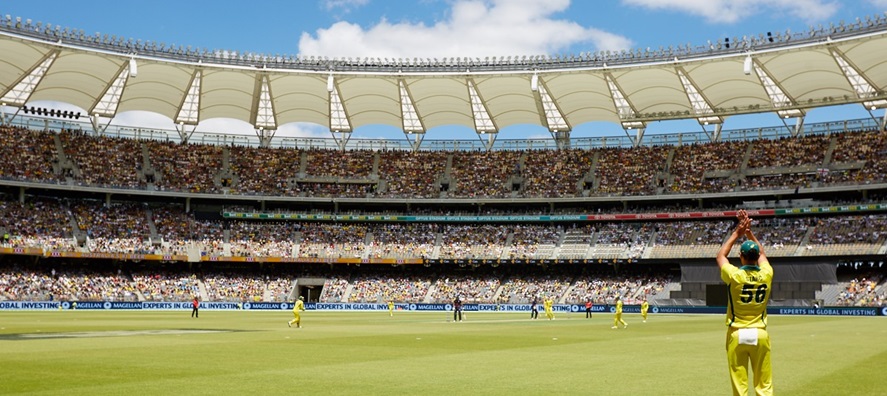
{"points": [[371, 100], [868, 57], [582, 97], [300, 98], [725, 85], [653, 91], [441, 101], [87, 70], [509, 100], [77, 78], [227, 94], [17, 60], [819, 77], [158, 88]]}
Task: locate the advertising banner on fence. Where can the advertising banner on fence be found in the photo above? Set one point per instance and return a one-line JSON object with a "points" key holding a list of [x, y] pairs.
{"points": [[418, 307]]}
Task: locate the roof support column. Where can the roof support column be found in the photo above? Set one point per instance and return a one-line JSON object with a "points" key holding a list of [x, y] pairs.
{"points": [[265, 136], [882, 124], [637, 138], [182, 129], [415, 139], [96, 121], [561, 138], [487, 138], [714, 136], [341, 138], [798, 130], [3, 117]]}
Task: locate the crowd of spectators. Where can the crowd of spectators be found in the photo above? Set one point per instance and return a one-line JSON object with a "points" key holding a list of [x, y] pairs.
{"points": [[483, 241], [412, 174], [470, 288], [604, 288], [862, 291], [21, 283], [186, 167], [622, 171], [871, 229], [395, 240], [858, 157], [484, 174], [36, 223], [789, 152], [691, 162], [525, 289], [117, 166], [382, 289], [264, 170], [29, 155], [166, 285], [556, 174], [529, 238], [118, 228], [233, 287]]}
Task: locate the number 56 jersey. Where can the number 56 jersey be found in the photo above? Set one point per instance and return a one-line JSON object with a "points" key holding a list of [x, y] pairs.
{"points": [[748, 293]]}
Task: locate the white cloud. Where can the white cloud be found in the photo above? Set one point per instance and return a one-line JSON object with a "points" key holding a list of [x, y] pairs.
{"points": [[882, 4], [731, 11], [473, 28]]}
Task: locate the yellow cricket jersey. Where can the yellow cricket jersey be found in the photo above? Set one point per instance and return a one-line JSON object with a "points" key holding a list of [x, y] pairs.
{"points": [[619, 306], [300, 306], [644, 306], [547, 304], [748, 293]]}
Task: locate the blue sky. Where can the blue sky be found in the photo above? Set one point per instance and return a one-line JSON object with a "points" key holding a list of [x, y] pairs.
{"points": [[447, 28]]}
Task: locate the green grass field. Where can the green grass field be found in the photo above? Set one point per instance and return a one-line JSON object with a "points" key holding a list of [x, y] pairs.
{"points": [[418, 353]]}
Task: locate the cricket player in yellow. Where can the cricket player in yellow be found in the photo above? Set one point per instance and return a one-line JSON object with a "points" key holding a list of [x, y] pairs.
{"points": [[618, 318], [644, 307], [390, 308], [297, 309], [548, 304], [748, 293]]}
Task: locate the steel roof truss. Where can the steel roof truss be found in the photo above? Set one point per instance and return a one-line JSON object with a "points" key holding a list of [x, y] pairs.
{"points": [[189, 111], [263, 105], [22, 90], [483, 123], [701, 107], [107, 105], [859, 81], [412, 123], [778, 98]]}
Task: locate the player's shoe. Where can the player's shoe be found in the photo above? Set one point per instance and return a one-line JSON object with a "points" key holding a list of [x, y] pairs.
{"points": [[614, 327], [288, 324], [626, 326]]}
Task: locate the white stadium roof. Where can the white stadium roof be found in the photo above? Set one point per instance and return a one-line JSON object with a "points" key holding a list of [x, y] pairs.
{"points": [[783, 73]]}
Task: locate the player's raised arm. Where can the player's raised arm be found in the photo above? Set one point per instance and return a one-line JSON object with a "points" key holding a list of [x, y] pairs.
{"points": [[740, 230], [751, 236]]}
